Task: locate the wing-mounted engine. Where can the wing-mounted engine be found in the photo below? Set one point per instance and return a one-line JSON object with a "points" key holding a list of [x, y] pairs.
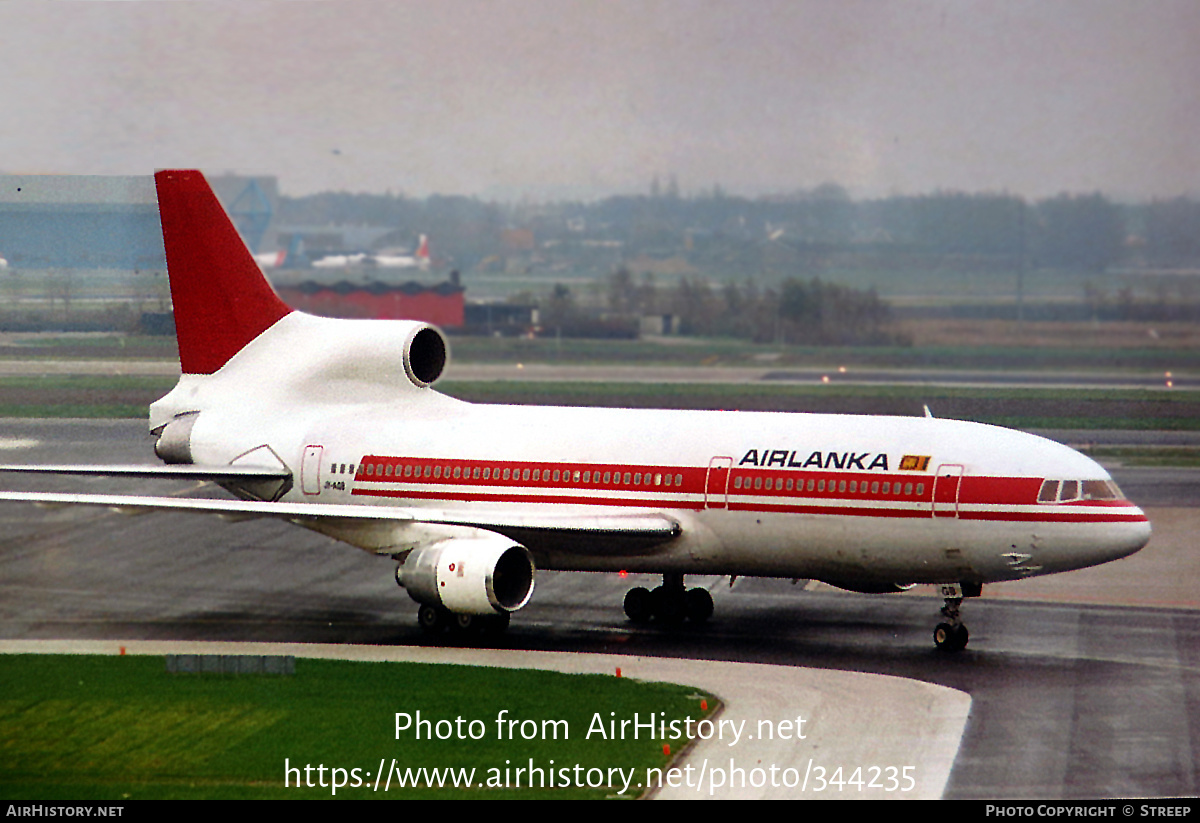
{"points": [[483, 574], [870, 586]]}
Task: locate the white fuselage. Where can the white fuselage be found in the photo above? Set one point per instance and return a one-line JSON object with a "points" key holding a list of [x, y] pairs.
{"points": [[796, 495], [861, 500]]}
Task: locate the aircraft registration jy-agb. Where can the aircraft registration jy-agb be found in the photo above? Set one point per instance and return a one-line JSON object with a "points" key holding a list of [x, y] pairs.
{"points": [[333, 424]]}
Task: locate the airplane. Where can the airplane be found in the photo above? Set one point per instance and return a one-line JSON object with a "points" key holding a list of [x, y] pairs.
{"points": [[417, 260], [340, 261], [334, 425], [272, 259]]}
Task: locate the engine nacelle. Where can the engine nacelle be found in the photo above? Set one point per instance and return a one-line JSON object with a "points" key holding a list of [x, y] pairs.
{"points": [[425, 355], [174, 444], [470, 575], [870, 588]]}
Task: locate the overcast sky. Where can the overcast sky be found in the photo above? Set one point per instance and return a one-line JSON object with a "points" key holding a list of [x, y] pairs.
{"points": [[597, 96]]}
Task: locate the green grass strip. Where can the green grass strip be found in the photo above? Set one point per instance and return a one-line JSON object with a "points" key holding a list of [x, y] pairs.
{"points": [[113, 728]]}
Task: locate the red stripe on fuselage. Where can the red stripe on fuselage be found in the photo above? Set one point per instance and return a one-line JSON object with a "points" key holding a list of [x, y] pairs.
{"points": [[657, 486]]}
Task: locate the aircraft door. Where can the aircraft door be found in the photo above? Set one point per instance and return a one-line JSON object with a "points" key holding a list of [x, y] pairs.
{"points": [[310, 470], [945, 490], [716, 483]]}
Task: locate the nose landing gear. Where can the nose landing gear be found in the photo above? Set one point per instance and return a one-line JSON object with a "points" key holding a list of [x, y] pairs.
{"points": [[952, 635]]}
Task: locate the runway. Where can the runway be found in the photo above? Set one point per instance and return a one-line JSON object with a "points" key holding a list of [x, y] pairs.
{"points": [[1085, 685], [659, 374]]}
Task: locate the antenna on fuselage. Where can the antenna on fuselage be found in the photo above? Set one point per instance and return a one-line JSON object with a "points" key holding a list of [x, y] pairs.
{"points": [[928, 413]]}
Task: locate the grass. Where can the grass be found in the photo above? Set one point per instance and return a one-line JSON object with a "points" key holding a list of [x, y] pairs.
{"points": [[114, 728]]}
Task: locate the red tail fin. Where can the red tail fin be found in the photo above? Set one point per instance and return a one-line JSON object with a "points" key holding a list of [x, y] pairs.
{"points": [[222, 301]]}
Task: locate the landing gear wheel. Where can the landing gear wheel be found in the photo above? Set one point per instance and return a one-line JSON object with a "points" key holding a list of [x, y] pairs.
{"points": [[494, 624], [670, 605], [699, 605], [431, 619], [639, 605], [465, 623], [950, 638]]}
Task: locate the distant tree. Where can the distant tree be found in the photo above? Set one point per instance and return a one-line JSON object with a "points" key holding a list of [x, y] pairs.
{"points": [[1173, 232], [1078, 232]]}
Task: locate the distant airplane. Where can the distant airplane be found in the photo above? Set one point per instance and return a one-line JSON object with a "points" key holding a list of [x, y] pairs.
{"points": [[419, 260], [272, 260], [339, 261], [333, 425]]}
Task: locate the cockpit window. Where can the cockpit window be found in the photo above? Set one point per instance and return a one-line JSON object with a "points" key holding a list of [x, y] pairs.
{"points": [[1049, 492], [1100, 490], [1068, 491]]}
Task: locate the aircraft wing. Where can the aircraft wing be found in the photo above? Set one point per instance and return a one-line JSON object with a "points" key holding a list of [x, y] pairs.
{"points": [[577, 533], [180, 471]]}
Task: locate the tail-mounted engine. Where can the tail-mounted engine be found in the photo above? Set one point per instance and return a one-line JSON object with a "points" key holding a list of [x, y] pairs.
{"points": [[425, 355], [489, 574], [174, 444]]}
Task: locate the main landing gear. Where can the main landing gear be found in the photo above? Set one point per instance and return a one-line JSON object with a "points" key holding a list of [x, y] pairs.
{"points": [[436, 619], [952, 635], [669, 604]]}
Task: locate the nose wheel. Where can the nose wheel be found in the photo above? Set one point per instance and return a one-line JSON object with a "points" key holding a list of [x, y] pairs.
{"points": [[951, 635]]}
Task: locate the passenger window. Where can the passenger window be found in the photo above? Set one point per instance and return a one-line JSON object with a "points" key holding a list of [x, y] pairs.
{"points": [[679, 480]]}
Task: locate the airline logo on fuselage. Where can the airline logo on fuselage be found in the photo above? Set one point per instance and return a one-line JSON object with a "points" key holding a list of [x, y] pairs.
{"points": [[785, 459]]}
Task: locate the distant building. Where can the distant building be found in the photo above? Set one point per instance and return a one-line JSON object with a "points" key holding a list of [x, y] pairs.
{"points": [[441, 305]]}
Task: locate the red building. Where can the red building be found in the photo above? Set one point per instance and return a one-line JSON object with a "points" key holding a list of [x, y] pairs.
{"points": [[441, 305]]}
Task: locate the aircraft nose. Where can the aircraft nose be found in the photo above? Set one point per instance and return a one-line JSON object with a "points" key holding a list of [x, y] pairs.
{"points": [[1128, 537]]}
